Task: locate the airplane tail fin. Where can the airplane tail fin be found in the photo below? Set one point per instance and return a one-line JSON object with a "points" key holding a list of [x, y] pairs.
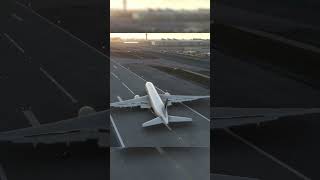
{"points": [[152, 122], [179, 119]]}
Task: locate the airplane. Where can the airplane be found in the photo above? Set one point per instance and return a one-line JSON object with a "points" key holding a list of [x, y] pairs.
{"points": [[95, 125], [89, 125], [159, 104]]}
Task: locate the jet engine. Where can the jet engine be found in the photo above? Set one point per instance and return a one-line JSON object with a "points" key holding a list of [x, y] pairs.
{"points": [[167, 94], [136, 96]]}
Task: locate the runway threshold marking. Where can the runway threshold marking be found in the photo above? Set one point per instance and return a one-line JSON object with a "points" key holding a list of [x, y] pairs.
{"points": [[14, 43], [115, 76], [58, 85], [15, 16], [31, 117], [117, 132], [274, 159], [3, 175], [128, 88], [164, 92]]}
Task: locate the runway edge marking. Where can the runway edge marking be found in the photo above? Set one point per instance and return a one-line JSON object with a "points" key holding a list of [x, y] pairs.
{"points": [[117, 132], [128, 88], [274, 159], [14, 43], [115, 76], [58, 85]]}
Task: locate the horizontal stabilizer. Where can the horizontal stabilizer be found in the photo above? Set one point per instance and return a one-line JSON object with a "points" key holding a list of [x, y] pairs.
{"points": [[179, 119], [152, 122]]}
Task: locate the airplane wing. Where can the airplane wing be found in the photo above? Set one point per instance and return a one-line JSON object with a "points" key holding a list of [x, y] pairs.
{"points": [[94, 126], [180, 98], [223, 117], [142, 101]]}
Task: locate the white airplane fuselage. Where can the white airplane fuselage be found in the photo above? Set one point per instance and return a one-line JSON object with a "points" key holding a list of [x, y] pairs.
{"points": [[157, 103]]}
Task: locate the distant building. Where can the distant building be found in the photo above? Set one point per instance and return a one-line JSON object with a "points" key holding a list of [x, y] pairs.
{"points": [[168, 14], [116, 39], [180, 42]]}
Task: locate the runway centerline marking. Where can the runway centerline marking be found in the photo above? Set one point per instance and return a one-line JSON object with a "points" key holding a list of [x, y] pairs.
{"points": [[115, 76], [14, 43], [3, 175], [274, 159], [58, 85], [117, 132], [128, 88], [15, 16], [31, 117]]}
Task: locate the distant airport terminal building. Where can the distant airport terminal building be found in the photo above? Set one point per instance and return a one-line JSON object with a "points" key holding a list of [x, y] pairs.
{"points": [[174, 42]]}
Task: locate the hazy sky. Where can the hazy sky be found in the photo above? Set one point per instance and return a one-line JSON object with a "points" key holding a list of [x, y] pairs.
{"points": [[161, 35], [154, 4]]}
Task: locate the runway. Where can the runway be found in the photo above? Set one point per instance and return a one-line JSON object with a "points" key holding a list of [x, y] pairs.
{"points": [[286, 147], [42, 76], [159, 163], [47, 75], [124, 84]]}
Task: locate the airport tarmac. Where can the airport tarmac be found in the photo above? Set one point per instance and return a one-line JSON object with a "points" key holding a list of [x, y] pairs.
{"points": [[285, 149], [153, 56], [124, 84], [50, 80], [159, 163], [79, 161], [42, 82]]}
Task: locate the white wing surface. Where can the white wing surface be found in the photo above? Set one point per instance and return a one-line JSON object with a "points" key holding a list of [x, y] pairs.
{"points": [[142, 101]]}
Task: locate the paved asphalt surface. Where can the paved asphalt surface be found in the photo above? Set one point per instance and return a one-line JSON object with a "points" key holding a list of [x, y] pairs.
{"points": [[47, 72], [124, 84], [286, 149], [40, 75], [294, 20], [152, 56], [159, 163], [53, 81]]}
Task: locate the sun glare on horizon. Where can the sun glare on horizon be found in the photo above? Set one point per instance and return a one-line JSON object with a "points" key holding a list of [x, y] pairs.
{"points": [[161, 4], [161, 35]]}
